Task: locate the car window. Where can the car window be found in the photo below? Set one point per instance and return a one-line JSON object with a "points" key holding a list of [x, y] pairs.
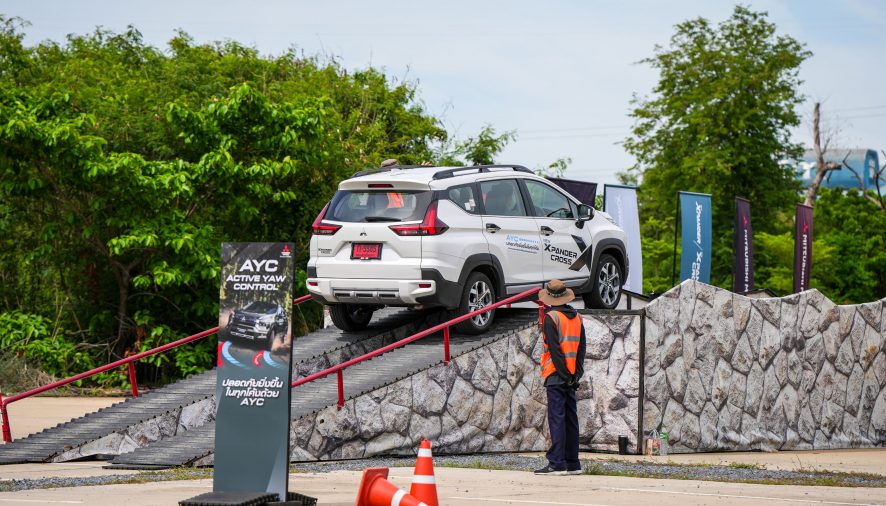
{"points": [[372, 206], [548, 202], [463, 197], [502, 198]]}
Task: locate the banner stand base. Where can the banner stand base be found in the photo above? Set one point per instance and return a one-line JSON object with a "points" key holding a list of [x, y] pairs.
{"points": [[248, 499]]}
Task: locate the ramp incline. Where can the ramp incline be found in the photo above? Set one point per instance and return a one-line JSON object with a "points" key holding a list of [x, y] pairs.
{"points": [[196, 446]]}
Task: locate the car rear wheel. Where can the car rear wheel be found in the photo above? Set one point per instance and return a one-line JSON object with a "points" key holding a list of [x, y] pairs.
{"points": [[607, 284], [478, 293], [350, 317]]}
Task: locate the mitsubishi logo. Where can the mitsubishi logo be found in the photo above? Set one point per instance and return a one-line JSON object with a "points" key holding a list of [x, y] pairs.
{"points": [[363, 233]]}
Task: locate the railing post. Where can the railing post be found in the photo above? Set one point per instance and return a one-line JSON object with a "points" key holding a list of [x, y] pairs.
{"points": [[132, 381], [341, 389], [446, 345], [4, 417]]}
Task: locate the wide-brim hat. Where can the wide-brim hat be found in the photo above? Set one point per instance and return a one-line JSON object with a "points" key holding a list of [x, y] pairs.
{"points": [[555, 293]]}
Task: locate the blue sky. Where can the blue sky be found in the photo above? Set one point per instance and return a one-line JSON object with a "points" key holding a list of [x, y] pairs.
{"points": [[560, 73]]}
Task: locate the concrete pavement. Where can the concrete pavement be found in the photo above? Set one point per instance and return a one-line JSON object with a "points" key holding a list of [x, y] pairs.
{"points": [[463, 487]]}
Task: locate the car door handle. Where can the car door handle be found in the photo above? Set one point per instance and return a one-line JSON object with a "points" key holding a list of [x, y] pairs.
{"points": [[492, 228], [547, 230]]}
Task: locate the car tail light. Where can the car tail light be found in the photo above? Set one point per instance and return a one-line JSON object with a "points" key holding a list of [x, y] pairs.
{"points": [[320, 228], [424, 285], [380, 185], [313, 283], [430, 225]]}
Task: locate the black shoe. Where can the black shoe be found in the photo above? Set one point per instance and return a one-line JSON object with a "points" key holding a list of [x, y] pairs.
{"points": [[550, 471]]}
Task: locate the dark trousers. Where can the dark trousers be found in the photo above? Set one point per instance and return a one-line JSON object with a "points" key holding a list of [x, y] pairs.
{"points": [[563, 423]]}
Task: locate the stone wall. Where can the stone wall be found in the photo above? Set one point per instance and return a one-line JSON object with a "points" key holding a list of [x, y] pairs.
{"points": [[488, 400], [725, 372]]}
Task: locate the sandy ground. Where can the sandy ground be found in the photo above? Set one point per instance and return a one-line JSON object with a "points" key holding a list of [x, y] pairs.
{"points": [[34, 414], [463, 487]]}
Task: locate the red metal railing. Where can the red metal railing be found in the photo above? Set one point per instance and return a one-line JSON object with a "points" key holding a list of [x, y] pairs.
{"points": [[338, 369], [130, 360]]}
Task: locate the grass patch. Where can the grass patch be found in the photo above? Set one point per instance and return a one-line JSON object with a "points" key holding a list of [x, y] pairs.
{"points": [[746, 465], [477, 464]]}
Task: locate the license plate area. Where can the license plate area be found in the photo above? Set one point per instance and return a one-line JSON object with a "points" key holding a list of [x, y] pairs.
{"points": [[366, 251]]}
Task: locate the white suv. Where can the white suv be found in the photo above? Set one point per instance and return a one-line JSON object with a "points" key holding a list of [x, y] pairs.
{"points": [[459, 238]]}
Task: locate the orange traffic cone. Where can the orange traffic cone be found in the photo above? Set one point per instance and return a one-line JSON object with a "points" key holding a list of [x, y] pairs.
{"points": [[424, 485], [376, 490]]}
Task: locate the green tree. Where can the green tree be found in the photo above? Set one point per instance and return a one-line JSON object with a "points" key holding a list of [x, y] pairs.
{"points": [[718, 122], [123, 167]]}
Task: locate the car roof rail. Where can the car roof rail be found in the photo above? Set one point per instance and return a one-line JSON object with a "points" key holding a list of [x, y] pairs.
{"points": [[377, 170], [481, 169]]}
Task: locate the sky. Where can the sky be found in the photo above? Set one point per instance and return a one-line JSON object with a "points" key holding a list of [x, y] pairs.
{"points": [[559, 73]]}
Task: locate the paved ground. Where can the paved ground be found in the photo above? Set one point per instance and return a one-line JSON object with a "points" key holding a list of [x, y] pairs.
{"points": [[463, 487], [34, 414], [869, 460]]}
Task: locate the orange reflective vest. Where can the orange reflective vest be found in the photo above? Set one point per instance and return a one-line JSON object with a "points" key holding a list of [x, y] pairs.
{"points": [[569, 335], [395, 200]]}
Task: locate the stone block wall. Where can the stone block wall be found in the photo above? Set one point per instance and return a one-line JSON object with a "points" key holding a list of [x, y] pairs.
{"points": [[725, 372], [488, 400]]}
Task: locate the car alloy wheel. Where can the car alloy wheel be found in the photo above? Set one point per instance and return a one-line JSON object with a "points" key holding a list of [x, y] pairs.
{"points": [[609, 283], [479, 297]]}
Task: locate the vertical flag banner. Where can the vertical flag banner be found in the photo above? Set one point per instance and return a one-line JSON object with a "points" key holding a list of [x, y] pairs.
{"points": [[254, 356], [695, 262], [586, 193], [743, 246], [802, 248], [620, 202]]}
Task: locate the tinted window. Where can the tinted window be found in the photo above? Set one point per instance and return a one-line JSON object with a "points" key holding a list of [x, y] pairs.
{"points": [[463, 197], [371, 206], [502, 198], [548, 202]]}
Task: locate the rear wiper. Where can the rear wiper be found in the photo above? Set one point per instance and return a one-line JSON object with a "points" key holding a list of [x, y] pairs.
{"points": [[380, 218]]}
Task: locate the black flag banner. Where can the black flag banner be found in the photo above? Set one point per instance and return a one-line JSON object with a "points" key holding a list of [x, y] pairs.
{"points": [[743, 276], [802, 248]]}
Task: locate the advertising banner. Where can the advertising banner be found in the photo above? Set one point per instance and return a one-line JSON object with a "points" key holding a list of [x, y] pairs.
{"points": [[695, 261], [586, 193], [802, 248], [620, 202], [254, 355], [743, 246]]}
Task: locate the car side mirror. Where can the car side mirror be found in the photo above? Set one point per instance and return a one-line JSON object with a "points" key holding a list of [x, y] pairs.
{"points": [[585, 212]]}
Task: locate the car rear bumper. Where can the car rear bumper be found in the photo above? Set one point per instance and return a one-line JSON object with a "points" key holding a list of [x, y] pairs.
{"points": [[389, 292]]}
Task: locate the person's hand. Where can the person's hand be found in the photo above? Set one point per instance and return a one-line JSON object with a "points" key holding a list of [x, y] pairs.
{"points": [[573, 383]]}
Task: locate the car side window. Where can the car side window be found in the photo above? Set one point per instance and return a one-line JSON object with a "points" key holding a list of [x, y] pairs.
{"points": [[548, 202], [502, 198], [463, 197]]}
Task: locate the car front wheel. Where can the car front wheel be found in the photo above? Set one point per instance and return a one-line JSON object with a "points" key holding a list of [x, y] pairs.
{"points": [[478, 293], [607, 284], [350, 317]]}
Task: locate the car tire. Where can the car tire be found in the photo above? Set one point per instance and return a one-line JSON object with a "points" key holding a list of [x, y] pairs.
{"points": [[269, 341], [608, 280], [478, 293], [350, 317]]}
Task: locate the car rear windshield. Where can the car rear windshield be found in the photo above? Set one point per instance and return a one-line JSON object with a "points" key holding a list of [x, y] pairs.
{"points": [[374, 206]]}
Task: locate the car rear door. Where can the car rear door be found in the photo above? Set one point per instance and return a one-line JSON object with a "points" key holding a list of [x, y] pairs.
{"points": [[512, 235], [563, 241]]}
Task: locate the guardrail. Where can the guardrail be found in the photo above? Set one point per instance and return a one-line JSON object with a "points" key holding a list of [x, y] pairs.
{"points": [[129, 361], [339, 369]]}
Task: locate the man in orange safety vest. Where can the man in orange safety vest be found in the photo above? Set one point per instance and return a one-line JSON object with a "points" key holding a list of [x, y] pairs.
{"points": [[562, 366]]}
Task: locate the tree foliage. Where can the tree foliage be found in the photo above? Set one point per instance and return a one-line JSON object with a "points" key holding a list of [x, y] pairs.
{"points": [[718, 122], [123, 167]]}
